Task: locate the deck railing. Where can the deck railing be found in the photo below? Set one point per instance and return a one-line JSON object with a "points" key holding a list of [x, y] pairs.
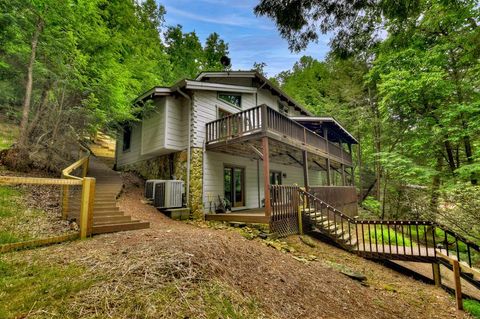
{"points": [[262, 119]]}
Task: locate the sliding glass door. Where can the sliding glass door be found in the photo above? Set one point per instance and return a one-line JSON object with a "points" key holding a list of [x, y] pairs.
{"points": [[234, 185]]}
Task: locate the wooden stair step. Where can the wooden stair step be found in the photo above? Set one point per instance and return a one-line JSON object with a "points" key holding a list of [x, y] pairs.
{"points": [[110, 228], [111, 220]]}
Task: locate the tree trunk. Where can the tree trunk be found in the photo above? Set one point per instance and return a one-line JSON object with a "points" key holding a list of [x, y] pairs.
{"points": [[469, 155], [29, 84]]}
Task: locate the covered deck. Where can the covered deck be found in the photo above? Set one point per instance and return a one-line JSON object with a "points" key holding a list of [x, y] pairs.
{"points": [[262, 133]]}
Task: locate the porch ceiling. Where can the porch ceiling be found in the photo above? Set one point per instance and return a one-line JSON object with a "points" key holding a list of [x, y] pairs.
{"points": [[280, 153]]}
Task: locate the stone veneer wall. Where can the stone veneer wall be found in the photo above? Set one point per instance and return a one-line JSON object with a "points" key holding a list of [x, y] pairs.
{"points": [[159, 168]]}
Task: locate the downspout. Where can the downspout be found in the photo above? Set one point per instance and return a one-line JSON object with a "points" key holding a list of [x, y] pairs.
{"points": [[189, 142]]}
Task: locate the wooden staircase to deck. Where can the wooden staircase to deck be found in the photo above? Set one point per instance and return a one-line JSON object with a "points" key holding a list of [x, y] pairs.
{"points": [[418, 241]]}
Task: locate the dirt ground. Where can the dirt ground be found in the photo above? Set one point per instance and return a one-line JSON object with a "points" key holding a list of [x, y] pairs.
{"points": [[262, 282]]}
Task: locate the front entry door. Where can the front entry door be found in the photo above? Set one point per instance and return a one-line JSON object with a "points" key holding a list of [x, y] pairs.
{"points": [[234, 185]]}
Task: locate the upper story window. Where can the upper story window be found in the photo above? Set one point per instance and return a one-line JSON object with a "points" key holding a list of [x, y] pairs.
{"points": [[234, 99], [127, 138]]}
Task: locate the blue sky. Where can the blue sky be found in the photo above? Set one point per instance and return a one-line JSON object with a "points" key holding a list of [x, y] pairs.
{"points": [[250, 38]]}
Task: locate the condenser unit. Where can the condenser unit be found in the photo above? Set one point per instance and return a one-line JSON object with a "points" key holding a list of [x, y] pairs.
{"points": [[150, 187], [168, 194]]}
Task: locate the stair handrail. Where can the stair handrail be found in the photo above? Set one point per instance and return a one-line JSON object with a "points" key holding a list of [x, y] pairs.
{"points": [[83, 162], [458, 238], [336, 211]]}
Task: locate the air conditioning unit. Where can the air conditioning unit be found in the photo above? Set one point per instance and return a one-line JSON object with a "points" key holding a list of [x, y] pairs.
{"points": [[168, 194], [150, 187]]}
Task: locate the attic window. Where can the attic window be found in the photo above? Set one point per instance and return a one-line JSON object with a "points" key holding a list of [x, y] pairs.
{"points": [[231, 98]]}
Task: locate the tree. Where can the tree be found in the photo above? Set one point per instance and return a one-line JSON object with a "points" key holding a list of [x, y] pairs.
{"points": [[214, 49]]}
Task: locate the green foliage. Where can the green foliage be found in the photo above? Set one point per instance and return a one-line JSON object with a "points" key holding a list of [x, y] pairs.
{"points": [[381, 235], [472, 306], [410, 98], [92, 60], [372, 205]]}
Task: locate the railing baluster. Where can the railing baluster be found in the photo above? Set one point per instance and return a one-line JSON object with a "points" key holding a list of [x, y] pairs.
{"points": [[425, 229], [410, 236], [376, 238], [396, 237], [403, 240], [458, 252], [434, 230], [418, 240], [446, 242], [389, 240], [369, 237], [469, 256], [381, 231]]}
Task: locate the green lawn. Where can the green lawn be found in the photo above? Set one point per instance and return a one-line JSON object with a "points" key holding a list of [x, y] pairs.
{"points": [[11, 210], [28, 287]]}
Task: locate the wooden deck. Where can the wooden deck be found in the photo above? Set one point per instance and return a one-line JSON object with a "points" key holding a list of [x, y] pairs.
{"points": [[255, 216], [260, 121]]}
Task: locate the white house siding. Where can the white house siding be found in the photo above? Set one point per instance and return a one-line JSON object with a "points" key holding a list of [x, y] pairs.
{"points": [[133, 154], [213, 177], [163, 131], [205, 109], [266, 97], [153, 129], [177, 123]]}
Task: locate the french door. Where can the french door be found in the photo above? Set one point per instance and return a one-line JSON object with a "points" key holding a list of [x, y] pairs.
{"points": [[234, 185]]}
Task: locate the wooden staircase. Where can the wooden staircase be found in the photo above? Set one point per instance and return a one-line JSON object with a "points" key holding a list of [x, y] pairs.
{"points": [[418, 241], [107, 217]]}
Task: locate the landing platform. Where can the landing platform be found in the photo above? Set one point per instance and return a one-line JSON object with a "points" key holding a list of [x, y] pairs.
{"points": [[254, 216]]}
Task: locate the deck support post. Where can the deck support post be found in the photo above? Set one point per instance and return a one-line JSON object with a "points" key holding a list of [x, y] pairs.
{"points": [[266, 176], [305, 171], [458, 285], [327, 161], [436, 274], [344, 178]]}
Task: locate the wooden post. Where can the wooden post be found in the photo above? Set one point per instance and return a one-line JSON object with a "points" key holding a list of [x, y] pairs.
{"points": [[266, 176], [329, 175], [86, 207], [437, 277], [65, 195], [305, 171], [344, 178], [458, 285], [85, 167], [300, 222]]}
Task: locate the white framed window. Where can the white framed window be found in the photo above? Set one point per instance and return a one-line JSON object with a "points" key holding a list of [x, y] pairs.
{"points": [[234, 99]]}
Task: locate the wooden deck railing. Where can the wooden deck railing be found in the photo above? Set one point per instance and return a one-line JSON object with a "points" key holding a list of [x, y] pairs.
{"points": [[88, 192], [262, 119]]}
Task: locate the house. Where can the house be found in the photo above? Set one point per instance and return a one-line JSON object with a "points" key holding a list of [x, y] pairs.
{"points": [[232, 135]]}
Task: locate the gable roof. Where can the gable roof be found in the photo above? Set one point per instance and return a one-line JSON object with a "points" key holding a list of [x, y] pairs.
{"points": [[199, 84], [265, 83]]}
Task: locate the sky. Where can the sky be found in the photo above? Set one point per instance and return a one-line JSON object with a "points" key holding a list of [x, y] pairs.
{"points": [[250, 38]]}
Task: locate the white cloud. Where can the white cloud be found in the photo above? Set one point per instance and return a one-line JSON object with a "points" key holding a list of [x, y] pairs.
{"points": [[230, 19]]}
